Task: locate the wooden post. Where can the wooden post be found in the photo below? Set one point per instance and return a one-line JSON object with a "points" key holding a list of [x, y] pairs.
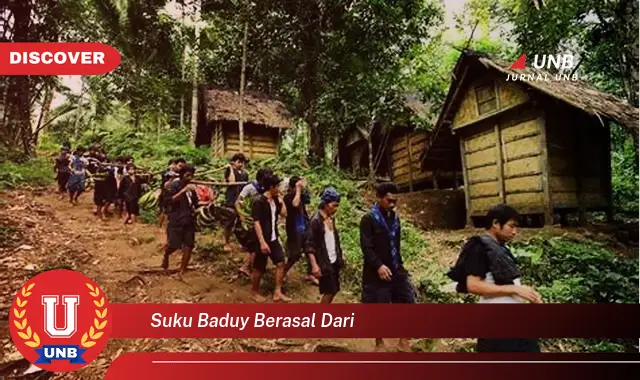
{"points": [[389, 153], [606, 178], [251, 146], [409, 160], [372, 170], [434, 179], [466, 183], [582, 214], [544, 165], [499, 164]]}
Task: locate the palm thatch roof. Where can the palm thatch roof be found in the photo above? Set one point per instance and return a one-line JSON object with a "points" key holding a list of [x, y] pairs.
{"points": [[258, 108], [578, 94]]}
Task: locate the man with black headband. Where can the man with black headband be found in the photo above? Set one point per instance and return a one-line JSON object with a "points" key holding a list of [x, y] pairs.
{"points": [[384, 278], [234, 173], [323, 245], [265, 212], [487, 268], [62, 170], [181, 203], [173, 171], [245, 231]]}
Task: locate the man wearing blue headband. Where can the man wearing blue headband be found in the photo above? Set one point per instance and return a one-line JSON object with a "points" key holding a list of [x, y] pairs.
{"points": [[323, 246]]}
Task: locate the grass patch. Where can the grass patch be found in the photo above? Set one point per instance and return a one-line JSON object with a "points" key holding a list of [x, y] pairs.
{"points": [[36, 172]]}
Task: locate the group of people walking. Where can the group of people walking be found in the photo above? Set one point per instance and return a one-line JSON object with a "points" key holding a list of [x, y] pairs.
{"points": [[253, 210], [485, 267], [115, 181]]}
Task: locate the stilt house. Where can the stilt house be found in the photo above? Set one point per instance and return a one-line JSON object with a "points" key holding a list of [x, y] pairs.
{"points": [[539, 145], [218, 123]]}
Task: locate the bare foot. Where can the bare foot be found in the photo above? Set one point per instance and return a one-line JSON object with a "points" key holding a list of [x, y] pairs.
{"points": [[227, 248], [245, 271], [281, 298], [258, 297], [312, 280]]}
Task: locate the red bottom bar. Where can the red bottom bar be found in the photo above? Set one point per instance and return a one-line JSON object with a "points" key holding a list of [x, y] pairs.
{"points": [[373, 366]]}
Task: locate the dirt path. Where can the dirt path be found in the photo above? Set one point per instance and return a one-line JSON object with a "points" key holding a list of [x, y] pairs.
{"points": [[38, 231]]}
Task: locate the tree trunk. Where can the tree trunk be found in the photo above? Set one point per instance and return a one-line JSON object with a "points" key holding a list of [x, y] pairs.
{"points": [[44, 114], [372, 171], [183, 68], [194, 90], [311, 42], [630, 55], [242, 83], [19, 94], [76, 125]]}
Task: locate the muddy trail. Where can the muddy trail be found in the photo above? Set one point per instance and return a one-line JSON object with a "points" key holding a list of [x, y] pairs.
{"points": [[39, 231]]}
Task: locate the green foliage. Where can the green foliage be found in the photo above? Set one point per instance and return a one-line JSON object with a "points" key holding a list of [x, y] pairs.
{"points": [[570, 271], [34, 172], [151, 150], [624, 172]]}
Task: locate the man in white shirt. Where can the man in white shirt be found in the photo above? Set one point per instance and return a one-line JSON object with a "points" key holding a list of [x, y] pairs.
{"points": [[323, 246], [265, 211], [487, 268]]}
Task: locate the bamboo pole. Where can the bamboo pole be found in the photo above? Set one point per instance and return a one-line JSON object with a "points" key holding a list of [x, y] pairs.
{"points": [[221, 184]]}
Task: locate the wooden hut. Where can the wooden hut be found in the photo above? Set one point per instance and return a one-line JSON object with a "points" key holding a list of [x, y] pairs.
{"points": [[541, 146], [218, 116], [396, 153]]}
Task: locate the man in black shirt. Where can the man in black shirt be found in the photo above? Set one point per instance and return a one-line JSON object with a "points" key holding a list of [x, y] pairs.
{"points": [[487, 268], [234, 173], [265, 211], [384, 278], [323, 245], [181, 202], [297, 224], [63, 171], [172, 172], [101, 190]]}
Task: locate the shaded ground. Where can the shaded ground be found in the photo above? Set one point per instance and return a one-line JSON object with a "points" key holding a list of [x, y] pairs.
{"points": [[39, 232]]}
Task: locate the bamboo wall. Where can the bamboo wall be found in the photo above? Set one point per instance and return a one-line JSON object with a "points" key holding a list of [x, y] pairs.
{"points": [[503, 164], [579, 161], [259, 141], [406, 150], [506, 94], [538, 160]]}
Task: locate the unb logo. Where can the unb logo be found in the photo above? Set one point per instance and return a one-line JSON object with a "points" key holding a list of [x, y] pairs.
{"points": [[60, 320]]}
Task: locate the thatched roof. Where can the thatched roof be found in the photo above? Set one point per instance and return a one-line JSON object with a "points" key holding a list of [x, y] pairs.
{"points": [[412, 103], [258, 109], [578, 94]]}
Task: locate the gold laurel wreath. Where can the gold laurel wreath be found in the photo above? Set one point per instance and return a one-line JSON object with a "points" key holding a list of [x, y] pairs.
{"points": [[99, 323], [30, 337]]}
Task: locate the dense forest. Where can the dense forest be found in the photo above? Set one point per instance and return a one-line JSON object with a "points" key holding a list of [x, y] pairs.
{"points": [[334, 64]]}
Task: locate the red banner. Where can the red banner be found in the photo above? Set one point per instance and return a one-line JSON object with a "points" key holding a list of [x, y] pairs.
{"points": [[372, 366], [371, 321], [60, 58]]}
